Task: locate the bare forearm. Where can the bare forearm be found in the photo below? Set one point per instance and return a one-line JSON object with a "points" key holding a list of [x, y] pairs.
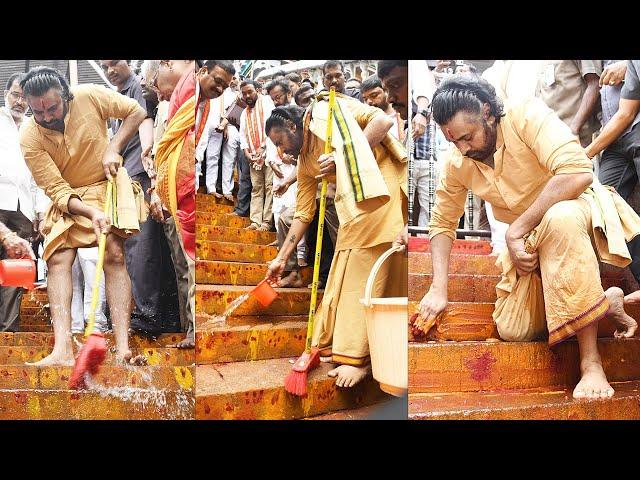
{"points": [[376, 129], [611, 131], [440, 253], [559, 188], [146, 134], [297, 230], [78, 207], [127, 130], [589, 101]]}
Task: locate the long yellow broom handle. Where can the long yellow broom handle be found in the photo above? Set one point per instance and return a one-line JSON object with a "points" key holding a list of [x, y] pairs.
{"points": [[323, 202], [98, 278]]}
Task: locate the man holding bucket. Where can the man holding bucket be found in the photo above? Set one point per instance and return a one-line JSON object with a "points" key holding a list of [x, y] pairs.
{"points": [[371, 216]]}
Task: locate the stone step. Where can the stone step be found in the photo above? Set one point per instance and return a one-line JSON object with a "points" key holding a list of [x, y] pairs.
{"points": [[234, 252], [106, 404], [255, 390], [536, 404], [234, 235], [238, 273], [371, 412], [57, 378], [479, 366], [420, 262], [18, 355], [472, 247], [37, 328], [215, 299], [257, 338], [464, 321], [469, 288], [216, 208], [221, 220], [211, 199], [46, 339]]}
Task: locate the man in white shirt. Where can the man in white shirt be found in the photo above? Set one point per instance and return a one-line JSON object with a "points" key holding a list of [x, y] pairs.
{"points": [[374, 95], [220, 139], [22, 203], [253, 142]]}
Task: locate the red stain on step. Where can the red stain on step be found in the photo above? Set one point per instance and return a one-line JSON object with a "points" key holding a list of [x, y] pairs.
{"points": [[207, 409], [480, 366]]}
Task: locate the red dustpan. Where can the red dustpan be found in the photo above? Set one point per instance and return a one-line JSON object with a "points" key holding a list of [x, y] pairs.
{"points": [[264, 293], [20, 272]]}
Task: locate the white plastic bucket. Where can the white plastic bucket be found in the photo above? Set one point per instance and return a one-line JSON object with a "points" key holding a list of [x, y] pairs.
{"points": [[388, 334]]}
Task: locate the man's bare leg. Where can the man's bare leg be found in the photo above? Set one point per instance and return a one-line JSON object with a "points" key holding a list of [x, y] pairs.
{"points": [[348, 376], [118, 290], [60, 292], [627, 326], [593, 383]]}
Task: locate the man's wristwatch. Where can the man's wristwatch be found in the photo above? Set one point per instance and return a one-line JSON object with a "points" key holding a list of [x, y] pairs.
{"points": [[424, 113]]}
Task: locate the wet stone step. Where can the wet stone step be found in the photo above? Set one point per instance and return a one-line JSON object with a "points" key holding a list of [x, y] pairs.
{"points": [[47, 339], [238, 273], [234, 235], [550, 403], [221, 220], [255, 390], [211, 199], [57, 378], [469, 247], [480, 366], [234, 252], [284, 337], [111, 404], [213, 207], [215, 299]]}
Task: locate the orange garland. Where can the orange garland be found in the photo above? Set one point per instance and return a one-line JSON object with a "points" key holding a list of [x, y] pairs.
{"points": [[254, 135]]}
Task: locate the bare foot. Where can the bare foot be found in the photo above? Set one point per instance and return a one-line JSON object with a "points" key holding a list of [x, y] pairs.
{"points": [[253, 226], [593, 383], [263, 228], [128, 359], [185, 343], [216, 194], [302, 262], [293, 280], [55, 359], [349, 376], [273, 244], [229, 197], [626, 325]]}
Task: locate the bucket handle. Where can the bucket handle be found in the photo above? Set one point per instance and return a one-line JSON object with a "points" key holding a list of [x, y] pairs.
{"points": [[374, 272]]}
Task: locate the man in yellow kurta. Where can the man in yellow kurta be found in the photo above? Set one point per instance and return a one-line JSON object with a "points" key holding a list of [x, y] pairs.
{"points": [[371, 205], [66, 147], [525, 161]]}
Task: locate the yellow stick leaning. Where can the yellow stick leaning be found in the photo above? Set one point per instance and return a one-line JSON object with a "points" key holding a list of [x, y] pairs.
{"points": [[323, 201], [98, 278]]}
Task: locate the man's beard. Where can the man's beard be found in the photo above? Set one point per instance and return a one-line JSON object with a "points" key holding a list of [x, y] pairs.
{"points": [[57, 124], [490, 137], [250, 102], [295, 140]]}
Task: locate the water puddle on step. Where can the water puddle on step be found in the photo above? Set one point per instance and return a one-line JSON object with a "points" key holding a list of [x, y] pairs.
{"points": [[221, 320]]}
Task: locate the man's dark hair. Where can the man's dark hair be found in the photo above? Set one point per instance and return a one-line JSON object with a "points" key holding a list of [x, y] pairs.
{"points": [[370, 83], [39, 80], [279, 73], [385, 66], [280, 115], [16, 76], [464, 92], [248, 81], [279, 83], [308, 81], [301, 91], [294, 77], [332, 64], [226, 65]]}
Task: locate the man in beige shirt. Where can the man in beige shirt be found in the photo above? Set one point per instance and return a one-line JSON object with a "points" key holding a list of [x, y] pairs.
{"points": [[65, 145], [570, 88], [531, 168]]}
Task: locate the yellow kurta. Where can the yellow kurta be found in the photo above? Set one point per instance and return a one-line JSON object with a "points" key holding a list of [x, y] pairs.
{"points": [[69, 164], [340, 328], [533, 145]]}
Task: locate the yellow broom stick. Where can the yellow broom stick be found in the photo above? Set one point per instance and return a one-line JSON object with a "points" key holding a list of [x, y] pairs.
{"points": [[98, 278], [323, 202]]}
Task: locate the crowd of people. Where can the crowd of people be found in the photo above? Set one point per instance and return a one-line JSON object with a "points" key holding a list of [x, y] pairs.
{"points": [[273, 133], [56, 164], [549, 147]]}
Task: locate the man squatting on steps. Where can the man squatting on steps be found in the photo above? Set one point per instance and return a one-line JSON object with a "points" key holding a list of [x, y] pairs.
{"points": [[66, 147], [368, 226], [526, 162]]}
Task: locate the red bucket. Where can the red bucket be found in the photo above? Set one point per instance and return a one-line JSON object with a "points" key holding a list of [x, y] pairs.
{"points": [[264, 293], [18, 273]]}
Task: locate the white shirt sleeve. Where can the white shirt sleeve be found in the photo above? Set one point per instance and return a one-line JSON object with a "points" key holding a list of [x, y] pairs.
{"points": [[243, 127], [423, 83]]}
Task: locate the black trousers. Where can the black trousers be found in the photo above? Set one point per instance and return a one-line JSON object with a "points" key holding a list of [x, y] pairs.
{"points": [[620, 169], [10, 297], [153, 277], [244, 187], [329, 238]]}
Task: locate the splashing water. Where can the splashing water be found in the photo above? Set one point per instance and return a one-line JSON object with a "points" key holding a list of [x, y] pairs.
{"points": [[221, 320]]}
